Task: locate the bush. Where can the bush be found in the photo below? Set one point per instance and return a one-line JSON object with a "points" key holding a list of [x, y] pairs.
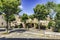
{"points": [[51, 24], [57, 26]]}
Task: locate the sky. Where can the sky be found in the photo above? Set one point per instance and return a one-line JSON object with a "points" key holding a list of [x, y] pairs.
{"points": [[28, 5]]}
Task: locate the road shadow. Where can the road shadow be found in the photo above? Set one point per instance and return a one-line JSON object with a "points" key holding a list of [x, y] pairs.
{"points": [[2, 29], [18, 30], [26, 39]]}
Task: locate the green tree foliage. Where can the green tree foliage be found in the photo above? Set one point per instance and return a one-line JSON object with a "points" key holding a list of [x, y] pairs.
{"points": [[57, 26], [56, 8], [31, 16], [58, 12], [10, 18], [41, 12], [50, 5], [9, 7], [51, 24], [57, 18], [24, 17]]}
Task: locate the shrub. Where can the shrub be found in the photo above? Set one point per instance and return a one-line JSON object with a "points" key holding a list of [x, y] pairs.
{"points": [[51, 24], [57, 26]]}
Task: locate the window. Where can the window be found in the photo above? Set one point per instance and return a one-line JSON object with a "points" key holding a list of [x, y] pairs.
{"points": [[2, 23]]}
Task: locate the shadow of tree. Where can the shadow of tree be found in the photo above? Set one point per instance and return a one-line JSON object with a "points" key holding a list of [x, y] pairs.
{"points": [[25, 39], [18, 30]]}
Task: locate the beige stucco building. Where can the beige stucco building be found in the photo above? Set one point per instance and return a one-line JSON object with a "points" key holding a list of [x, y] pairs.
{"points": [[13, 23], [2, 21], [17, 21], [44, 22]]}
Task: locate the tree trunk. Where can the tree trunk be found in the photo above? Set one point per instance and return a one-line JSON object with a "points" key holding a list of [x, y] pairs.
{"points": [[7, 24], [7, 27], [34, 25], [23, 25], [39, 26]]}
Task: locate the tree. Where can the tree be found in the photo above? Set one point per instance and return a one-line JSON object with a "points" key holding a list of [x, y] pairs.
{"points": [[11, 18], [31, 16], [24, 17], [51, 24], [57, 18], [41, 12], [57, 9], [9, 7], [50, 5]]}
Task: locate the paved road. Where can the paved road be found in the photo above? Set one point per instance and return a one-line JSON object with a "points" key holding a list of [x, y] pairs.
{"points": [[26, 39], [22, 33]]}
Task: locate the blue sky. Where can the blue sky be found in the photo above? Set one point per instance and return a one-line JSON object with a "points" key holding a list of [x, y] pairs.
{"points": [[28, 5]]}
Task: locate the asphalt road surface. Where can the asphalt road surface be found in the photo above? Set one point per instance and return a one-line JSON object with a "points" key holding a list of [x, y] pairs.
{"points": [[22, 34], [26, 39]]}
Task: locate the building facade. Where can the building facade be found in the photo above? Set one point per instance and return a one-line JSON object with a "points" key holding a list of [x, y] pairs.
{"points": [[13, 23], [2, 21]]}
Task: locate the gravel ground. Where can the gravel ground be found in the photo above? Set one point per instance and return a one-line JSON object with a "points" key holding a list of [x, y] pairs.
{"points": [[31, 33]]}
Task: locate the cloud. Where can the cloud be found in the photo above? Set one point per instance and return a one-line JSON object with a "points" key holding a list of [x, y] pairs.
{"points": [[21, 7]]}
